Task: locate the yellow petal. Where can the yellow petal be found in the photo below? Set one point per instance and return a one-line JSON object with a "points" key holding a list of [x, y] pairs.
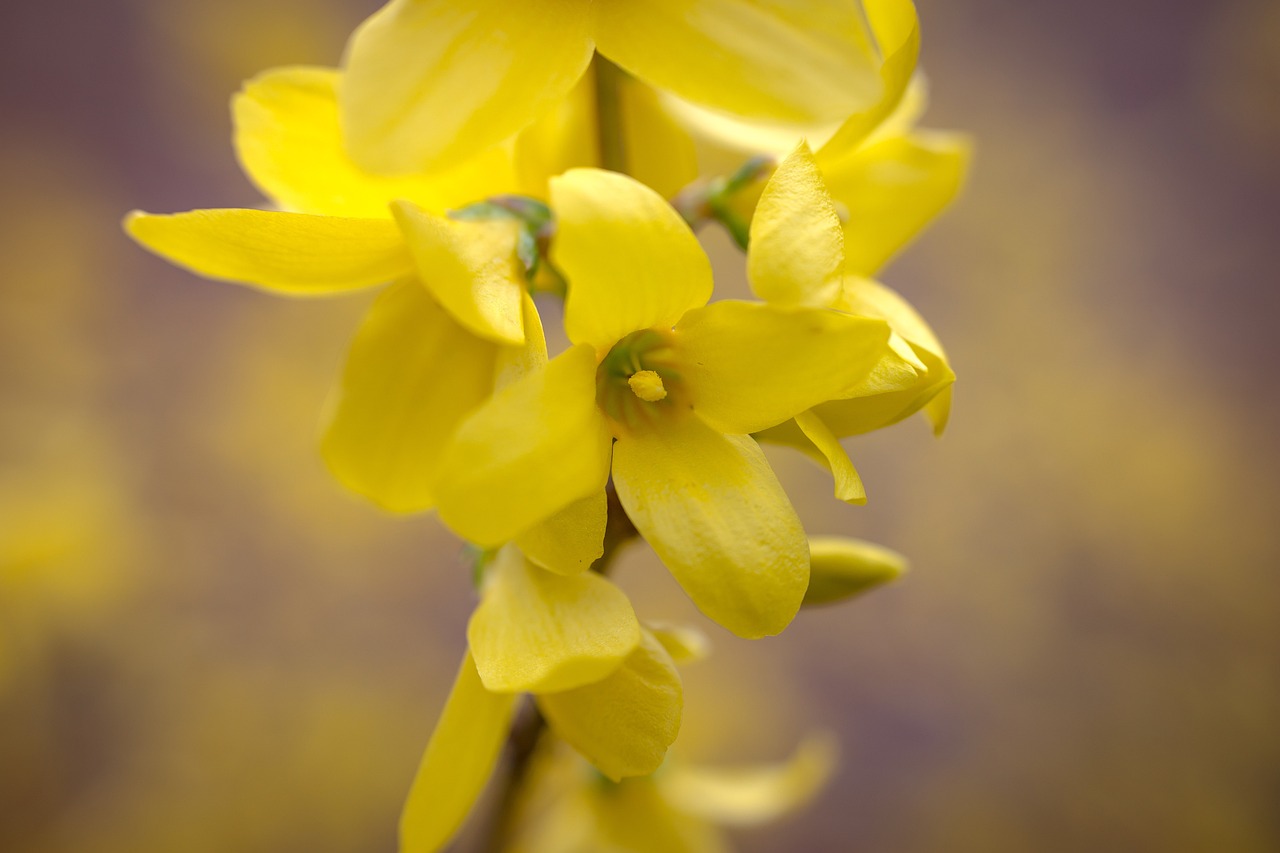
{"points": [[572, 539], [471, 268], [290, 253], [635, 817], [624, 723], [848, 484], [537, 631], [289, 141], [748, 366], [411, 377], [537, 446], [429, 83], [459, 759], [684, 644], [781, 60], [892, 189], [515, 362], [749, 796], [631, 261], [797, 245], [841, 568], [715, 513]]}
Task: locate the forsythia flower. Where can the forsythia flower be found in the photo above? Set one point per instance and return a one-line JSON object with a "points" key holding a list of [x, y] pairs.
{"points": [[605, 685], [661, 390], [428, 82]]}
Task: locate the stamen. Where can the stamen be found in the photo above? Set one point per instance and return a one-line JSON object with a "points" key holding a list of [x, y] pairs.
{"points": [[647, 385]]}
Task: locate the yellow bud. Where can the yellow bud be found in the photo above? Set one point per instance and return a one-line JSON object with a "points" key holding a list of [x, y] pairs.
{"points": [[647, 385]]}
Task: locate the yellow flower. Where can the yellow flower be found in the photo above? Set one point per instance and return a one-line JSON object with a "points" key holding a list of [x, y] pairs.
{"points": [[679, 385], [429, 82], [605, 685], [676, 810]]}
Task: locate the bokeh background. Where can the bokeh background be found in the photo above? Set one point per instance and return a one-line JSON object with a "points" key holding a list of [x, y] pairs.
{"points": [[205, 645]]}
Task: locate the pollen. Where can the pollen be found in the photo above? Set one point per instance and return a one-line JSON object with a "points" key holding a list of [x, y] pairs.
{"points": [[647, 385]]}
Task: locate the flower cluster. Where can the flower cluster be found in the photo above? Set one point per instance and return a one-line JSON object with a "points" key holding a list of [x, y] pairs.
{"points": [[470, 156]]}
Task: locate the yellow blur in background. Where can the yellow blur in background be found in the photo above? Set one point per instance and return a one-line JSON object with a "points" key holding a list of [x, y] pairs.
{"points": [[205, 645]]}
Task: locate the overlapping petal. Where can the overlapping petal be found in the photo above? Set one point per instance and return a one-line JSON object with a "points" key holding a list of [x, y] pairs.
{"points": [[624, 723], [848, 484], [428, 82], [411, 376], [631, 261], [717, 517], [537, 446], [289, 253], [749, 366], [572, 539], [458, 761], [537, 631], [289, 142]]}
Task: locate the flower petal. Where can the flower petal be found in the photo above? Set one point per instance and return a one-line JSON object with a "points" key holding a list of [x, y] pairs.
{"points": [[471, 268], [572, 539], [715, 513], [289, 253], [411, 377], [849, 486], [634, 817], [428, 83], [624, 723], [749, 796], [537, 446], [749, 366], [684, 644], [781, 60], [797, 246], [892, 189], [459, 760], [289, 141], [536, 631], [840, 568], [631, 261]]}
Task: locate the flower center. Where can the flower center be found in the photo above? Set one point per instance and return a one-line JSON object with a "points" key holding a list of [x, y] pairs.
{"points": [[637, 380], [647, 385]]}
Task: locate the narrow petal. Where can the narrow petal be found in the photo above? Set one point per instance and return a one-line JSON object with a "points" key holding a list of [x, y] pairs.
{"points": [[289, 253], [715, 513], [624, 723], [848, 484], [840, 568], [471, 268], [459, 760], [797, 245], [515, 362], [631, 261], [892, 189], [537, 446], [780, 60], [684, 644], [635, 817], [289, 141], [749, 796], [749, 366], [572, 539], [430, 82], [411, 377]]}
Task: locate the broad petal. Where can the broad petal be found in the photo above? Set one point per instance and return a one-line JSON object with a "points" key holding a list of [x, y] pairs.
{"points": [[430, 82], [748, 366], [848, 484], [572, 539], [288, 253], [459, 760], [797, 246], [631, 261], [715, 513], [779, 60], [537, 446], [289, 141], [892, 189], [749, 796], [635, 817], [411, 377], [624, 723], [471, 268], [537, 632], [840, 568]]}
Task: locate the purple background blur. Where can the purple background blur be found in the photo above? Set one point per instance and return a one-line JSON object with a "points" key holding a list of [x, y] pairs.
{"points": [[206, 646]]}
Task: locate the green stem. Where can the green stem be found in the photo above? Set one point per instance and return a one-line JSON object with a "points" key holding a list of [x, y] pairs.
{"points": [[611, 138]]}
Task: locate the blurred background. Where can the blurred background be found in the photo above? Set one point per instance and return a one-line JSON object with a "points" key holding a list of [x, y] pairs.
{"points": [[205, 645]]}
